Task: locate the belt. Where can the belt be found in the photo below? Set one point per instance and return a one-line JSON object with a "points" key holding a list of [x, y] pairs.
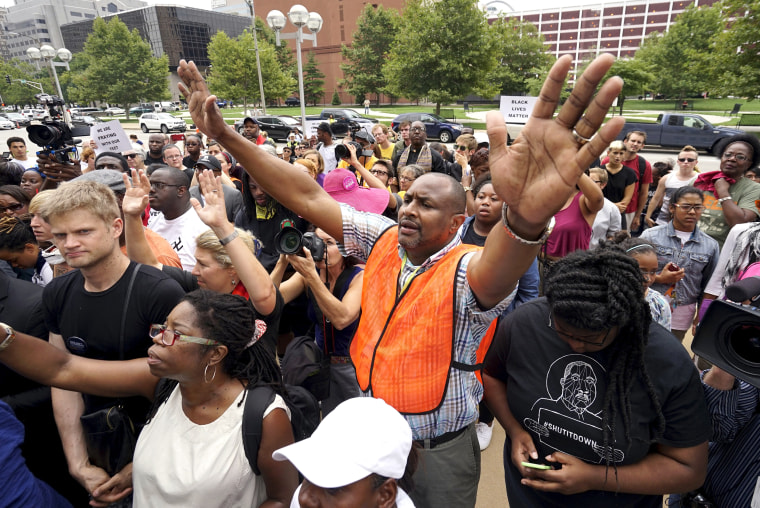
{"points": [[340, 359], [431, 443]]}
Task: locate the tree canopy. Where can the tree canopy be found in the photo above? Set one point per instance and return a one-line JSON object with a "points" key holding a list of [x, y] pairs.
{"points": [[365, 57], [735, 62], [118, 67], [233, 73], [442, 51], [18, 93], [521, 56], [313, 84]]}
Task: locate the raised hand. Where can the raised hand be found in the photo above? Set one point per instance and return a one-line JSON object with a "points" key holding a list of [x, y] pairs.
{"points": [[136, 195], [214, 214], [200, 103], [537, 173]]}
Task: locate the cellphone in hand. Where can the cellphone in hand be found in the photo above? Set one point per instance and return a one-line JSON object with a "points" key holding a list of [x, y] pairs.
{"points": [[673, 268]]}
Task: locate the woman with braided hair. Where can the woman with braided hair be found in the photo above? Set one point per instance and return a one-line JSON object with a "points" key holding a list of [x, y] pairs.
{"points": [[191, 451], [585, 385], [19, 248]]}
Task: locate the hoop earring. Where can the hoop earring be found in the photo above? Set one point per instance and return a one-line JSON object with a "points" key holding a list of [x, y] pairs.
{"points": [[205, 374]]}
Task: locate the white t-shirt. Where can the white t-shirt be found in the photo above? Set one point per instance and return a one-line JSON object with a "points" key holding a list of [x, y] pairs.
{"points": [[180, 463], [328, 154], [28, 163], [180, 233], [606, 222]]}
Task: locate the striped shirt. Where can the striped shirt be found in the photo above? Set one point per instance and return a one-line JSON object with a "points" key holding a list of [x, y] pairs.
{"points": [[460, 405], [733, 467]]}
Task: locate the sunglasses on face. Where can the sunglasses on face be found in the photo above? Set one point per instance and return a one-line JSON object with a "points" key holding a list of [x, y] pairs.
{"points": [[460, 147], [130, 155], [686, 159]]}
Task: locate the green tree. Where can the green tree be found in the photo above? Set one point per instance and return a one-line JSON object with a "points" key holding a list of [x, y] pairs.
{"points": [[442, 51], [18, 93], [521, 56], [335, 99], [313, 84], [374, 34], [736, 66], [636, 78], [119, 67], [234, 75], [681, 59]]}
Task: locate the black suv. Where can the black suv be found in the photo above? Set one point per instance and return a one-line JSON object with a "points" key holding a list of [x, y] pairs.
{"points": [[278, 127], [292, 101]]}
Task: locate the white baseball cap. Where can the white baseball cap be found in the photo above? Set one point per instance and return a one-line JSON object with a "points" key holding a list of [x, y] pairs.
{"points": [[359, 437]]}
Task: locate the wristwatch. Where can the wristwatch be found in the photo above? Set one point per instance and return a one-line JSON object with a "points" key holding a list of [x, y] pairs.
{"points": [[10, 334]]}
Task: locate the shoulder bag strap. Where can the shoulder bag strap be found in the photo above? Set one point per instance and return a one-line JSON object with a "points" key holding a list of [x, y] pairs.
{"points": [[124, 310]]}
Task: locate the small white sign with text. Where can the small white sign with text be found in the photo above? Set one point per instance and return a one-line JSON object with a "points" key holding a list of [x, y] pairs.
{"points": [[110, 137], [516, 109]]}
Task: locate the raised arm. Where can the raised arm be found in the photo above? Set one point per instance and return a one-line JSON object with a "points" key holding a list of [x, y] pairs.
{"points": [[537, 173], [252, 274], [592, 199], [133, 205], [293, 188]]}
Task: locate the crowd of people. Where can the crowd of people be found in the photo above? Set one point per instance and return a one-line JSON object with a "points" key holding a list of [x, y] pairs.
{"points": [[547, 285]]}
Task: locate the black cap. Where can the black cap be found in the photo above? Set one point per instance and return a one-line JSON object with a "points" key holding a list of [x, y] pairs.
{"points": [[324, 126], [250, 119], [363, 134], [210, 162]]}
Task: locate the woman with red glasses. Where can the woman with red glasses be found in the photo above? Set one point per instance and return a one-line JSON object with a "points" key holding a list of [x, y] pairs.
{"points": [[191, 451]]}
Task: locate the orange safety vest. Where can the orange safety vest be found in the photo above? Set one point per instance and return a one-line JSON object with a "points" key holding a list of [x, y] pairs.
{"points": [[403, 348]]}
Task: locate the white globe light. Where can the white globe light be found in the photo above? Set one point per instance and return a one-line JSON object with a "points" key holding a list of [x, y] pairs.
{"points": [[298, 15], [315, 22], [47, 51], [64, 55], [34, 53], [276, 20]]}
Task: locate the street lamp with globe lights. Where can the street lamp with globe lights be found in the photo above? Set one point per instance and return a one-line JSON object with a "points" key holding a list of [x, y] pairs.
{"points": [[47, 53], [298, 16]]}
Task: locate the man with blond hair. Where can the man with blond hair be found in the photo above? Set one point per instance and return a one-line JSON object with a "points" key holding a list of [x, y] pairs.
{"points": [[102, 310]]}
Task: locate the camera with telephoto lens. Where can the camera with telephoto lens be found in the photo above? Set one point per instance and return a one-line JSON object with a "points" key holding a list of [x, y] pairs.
{"points": [[341, 150], [55, 135], [729, 334], [291, 241]]}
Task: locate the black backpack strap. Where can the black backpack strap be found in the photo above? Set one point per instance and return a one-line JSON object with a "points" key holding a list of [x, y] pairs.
{"points": [[642, 167], [257, 400]]}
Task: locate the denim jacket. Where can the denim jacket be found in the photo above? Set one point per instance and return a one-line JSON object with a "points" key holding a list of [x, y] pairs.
{"points": [[698, 257]]}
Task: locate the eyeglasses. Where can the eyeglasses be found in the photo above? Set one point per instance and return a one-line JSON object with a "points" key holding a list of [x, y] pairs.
{"points": [[178, 156], [15, 207], [646, 274], [686, 159], [405, 129], [585, 340], [377, 172], [159, 186], [174, 336], [417, 129], [688, 208], [406, 178], [460, 147], [730, 155]]}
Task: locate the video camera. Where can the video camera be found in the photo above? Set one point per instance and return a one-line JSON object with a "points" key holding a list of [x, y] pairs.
{"points": [[341, 150], [729, 334], [56, 136], [291, 241]]}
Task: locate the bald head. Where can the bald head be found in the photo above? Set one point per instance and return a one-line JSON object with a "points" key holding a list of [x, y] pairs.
{"points": [[450, 190]]}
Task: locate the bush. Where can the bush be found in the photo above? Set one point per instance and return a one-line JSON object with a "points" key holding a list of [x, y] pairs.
{"points": [[335, 99]]}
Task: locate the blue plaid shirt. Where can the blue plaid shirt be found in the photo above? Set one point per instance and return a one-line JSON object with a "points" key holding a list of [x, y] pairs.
{"points": [[460, 405]]}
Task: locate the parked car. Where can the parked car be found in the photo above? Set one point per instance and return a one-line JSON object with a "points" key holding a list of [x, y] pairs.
{"points": [[163, 107], [139, 110], [163, 122], [83, 111], [6, 124], [292, 101], [85, 120], [221, 103], [35, 113], [345, 120], [678, 129], [435, 126], [278, 127], [18, 119], [113, 110]]}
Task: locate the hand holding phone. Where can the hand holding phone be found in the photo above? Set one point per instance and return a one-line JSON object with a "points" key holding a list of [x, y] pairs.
{"points": [[531, 465]]}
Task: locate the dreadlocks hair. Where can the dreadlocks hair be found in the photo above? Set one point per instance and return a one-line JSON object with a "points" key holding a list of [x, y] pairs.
{"points": [[249, 204], [16, 233], [596, 290], [230, 320]]}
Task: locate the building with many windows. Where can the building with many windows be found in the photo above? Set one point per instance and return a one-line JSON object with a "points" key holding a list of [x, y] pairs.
{"points": [[178, 32], [37, 22], [617, 27]]}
